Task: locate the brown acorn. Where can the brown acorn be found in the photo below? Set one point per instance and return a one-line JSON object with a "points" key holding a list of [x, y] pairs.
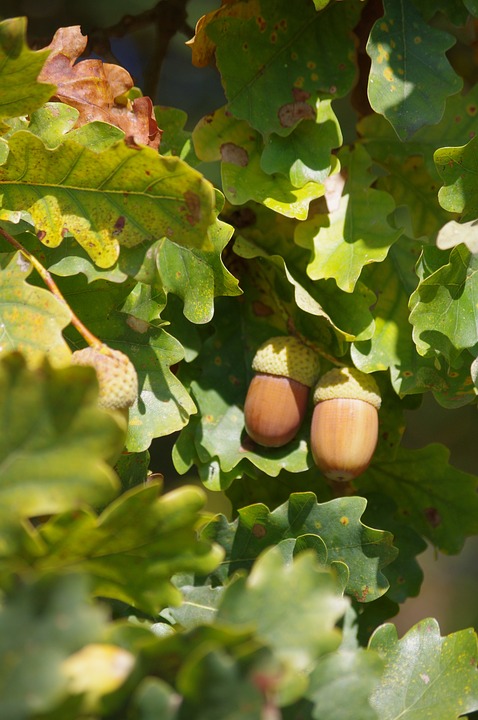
{"points": [[344, 429], [277, 398]]}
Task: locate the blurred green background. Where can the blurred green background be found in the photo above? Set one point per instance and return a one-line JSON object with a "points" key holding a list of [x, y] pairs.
{"points": [[451, 583]]}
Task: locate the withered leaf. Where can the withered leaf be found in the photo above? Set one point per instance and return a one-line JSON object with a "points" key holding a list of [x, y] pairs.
{"points": [[97, 89]]}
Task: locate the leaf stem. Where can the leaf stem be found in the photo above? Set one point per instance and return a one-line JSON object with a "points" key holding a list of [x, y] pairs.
{"points": [[91, 339]]}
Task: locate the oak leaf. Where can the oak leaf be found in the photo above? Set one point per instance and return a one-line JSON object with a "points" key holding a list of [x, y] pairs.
{"points": [[97, 89]]}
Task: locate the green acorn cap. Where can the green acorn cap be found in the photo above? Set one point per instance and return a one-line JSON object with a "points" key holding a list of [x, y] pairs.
{"points": [[289, 357], [348, 383], [117, 379]]}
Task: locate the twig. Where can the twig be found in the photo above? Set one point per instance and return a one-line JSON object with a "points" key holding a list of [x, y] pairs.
{"points": [[91, 339]]}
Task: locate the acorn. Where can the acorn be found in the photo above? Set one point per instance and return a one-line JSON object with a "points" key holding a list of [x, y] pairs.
{"points": [[117, 378], [277, 398], [344, 429]]}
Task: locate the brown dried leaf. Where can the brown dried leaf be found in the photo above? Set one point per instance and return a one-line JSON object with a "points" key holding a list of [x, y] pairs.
{"points": [[94, 89]]}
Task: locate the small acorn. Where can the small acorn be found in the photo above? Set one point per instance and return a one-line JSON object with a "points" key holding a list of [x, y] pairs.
{"points": [[277, 397], [344, 429], [117, 379]]}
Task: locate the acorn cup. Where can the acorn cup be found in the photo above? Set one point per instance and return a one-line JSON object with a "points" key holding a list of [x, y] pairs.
{"points": [[344, 429], [117, 378], [277, 398]]}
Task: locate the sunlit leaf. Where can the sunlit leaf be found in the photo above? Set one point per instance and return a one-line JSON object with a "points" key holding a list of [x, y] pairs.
{"points": [[457, 168], [220, 136], [425, 675], [354, 235], [97, 89], [444, 309], [410, 76], [133, 548], [103, 199], [163, 404], [301, 56], [341, 685], [266, 597], [31, 318], [20, 91], [341, 535]]}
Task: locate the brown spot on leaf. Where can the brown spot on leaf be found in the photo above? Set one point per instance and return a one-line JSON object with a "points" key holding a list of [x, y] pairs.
{"points": [[41, 234], [193, 205], [362, 597], [433, 516], [119, 225], [234, 154], [300, 95], [64, 232], [290, 114], [261, 23], [259, 531]]}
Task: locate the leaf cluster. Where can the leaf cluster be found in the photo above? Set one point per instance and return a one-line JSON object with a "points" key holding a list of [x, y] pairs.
{"points": [[341, 219]]}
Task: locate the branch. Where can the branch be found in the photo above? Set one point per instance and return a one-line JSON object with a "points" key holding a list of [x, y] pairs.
{"points": [[91, 339]]}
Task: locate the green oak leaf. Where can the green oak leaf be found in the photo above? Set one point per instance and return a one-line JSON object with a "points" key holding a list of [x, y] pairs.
{"points": [[41, 624], [154, 698], [293, 606], [471, 6], [175, 140], [444, 307], [197, 276], [55, 441], [129, 321], [218, 686], [132, 468], [409, 171], [132, 549], [349, 316], [341, 685], [438, 501], [20, 92], [392, 345], [222, 137], [305, 155], [356, 233], [52, 122], [275, 63], [410, 76], [198, 606], [425, 675], [457, 168], [342, 538], [102, 198], [31, 318], [455, 11], [403, 573]]}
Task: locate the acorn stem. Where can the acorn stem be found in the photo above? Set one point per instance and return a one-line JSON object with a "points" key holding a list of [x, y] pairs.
{"points": [[91, 339]]}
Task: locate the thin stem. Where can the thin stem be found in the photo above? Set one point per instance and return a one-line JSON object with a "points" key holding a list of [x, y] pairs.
{"points": [[91, 339]]}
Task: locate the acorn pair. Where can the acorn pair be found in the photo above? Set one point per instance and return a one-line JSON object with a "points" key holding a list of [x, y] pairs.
{"points": [[344, 430]]}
